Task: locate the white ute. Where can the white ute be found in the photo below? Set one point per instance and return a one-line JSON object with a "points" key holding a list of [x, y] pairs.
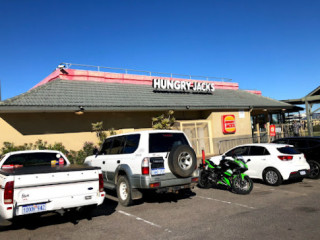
{"points": [[43, 180]]}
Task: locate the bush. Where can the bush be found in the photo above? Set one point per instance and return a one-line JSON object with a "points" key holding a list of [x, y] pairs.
{"points": [[75, 157]]}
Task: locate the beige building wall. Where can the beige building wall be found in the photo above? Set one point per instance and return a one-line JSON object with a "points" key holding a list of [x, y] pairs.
{"points": [[73, 131]]}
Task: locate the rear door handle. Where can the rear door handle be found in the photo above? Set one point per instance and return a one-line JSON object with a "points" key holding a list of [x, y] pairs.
{"points": [[103, 162], [118, 161]]}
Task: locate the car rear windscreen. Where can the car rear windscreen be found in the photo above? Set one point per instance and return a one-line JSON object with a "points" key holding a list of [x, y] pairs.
{"points": [[164, 142], [288, 150], [33, 159]]}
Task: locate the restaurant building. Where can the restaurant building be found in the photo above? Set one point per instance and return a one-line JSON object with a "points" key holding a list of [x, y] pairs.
{"points": [[62, 107]]}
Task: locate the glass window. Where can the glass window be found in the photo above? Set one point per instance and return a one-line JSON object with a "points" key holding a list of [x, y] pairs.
{"points": [[164, 142], [117, 145], [288, 150], [258, 151], [132, 143], [239, 151], [106, 146], [33, 159], [281, 141], [299, 143], [314, 143]]}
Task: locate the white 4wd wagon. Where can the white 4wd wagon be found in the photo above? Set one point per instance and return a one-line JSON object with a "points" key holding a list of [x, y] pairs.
{"points": [[162, 160]]}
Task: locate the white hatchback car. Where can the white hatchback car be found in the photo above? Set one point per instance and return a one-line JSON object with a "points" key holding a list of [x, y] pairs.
{"points": [[271, 162]]}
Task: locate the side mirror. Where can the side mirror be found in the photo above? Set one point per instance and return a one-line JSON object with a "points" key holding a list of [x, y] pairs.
{"points": [[223, 157], [95, 151]]}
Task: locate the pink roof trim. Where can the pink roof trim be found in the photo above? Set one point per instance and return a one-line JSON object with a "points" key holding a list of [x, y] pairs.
{"points": [[94, 76]]}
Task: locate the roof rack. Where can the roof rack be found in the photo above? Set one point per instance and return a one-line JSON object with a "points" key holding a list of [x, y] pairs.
{"points": [[141, 72]]}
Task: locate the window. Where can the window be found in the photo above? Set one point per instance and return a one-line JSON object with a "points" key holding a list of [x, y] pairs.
{"points": [[281, 141], [132, 143], [33, 159], [164, 142], [239, 151], [314, 143], [258, 151], [299, 143], [117, 145], [288, 150], [106, 146]]}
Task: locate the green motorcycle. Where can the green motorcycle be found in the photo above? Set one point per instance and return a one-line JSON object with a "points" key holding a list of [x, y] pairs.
{"points": [[229, 173]]}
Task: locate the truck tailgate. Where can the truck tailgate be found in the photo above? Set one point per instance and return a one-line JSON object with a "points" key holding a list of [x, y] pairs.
{"points": [[55, 189]]}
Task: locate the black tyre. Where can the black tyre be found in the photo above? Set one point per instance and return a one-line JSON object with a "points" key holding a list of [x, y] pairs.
{"points": [[240, 186], [182, 161], [124, 191], [314, 169], [272, 177], [204, 182]]}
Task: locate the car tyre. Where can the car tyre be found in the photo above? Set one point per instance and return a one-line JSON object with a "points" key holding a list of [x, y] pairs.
{"points": [[314, 169], [272, 177], [182, 161], [124, 191]]}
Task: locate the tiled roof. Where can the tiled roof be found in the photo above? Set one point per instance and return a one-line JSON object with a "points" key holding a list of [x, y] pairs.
{"points": [[64, 95]]}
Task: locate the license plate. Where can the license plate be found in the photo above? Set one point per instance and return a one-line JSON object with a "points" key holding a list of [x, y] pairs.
{"points": [[157, 171], [34, 208], [302, 172]]}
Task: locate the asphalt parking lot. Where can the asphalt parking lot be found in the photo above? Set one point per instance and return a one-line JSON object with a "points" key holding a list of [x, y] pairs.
{"points": [[290, 211]]}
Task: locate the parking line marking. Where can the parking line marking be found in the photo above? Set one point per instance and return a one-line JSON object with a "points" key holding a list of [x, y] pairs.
{"points": [[222, 201], [143, 220]]}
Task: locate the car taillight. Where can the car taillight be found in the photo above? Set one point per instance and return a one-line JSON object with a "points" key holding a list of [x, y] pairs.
{"points": [[145, 166], [285, 158], [101, 187], [8, 193]]}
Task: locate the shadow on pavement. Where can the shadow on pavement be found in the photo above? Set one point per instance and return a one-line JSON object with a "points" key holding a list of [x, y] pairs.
{"points": [[35, 221], [153, 197]]}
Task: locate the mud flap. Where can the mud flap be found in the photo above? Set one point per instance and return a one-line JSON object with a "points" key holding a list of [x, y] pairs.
{"points": [[136, 194]]}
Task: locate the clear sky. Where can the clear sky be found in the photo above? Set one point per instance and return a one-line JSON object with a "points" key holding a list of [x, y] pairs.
{"points": [[268, 45]]}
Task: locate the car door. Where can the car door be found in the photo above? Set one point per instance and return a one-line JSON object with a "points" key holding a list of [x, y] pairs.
{"points": [[114, 157], [241, 152], [102, 157], [259, 159]]}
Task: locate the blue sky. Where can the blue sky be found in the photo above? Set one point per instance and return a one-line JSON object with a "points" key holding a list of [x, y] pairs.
{"points": [[272, 46]]}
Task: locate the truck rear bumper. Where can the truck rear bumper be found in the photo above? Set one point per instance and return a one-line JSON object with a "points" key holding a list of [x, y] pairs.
{"points": [[164, 181], [11, 211]]}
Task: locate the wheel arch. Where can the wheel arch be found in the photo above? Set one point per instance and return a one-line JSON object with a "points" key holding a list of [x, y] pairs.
{"points": [[123, 170]]}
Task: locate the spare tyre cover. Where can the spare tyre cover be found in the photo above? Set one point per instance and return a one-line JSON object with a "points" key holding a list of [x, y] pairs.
{"points": [[182, 161]]}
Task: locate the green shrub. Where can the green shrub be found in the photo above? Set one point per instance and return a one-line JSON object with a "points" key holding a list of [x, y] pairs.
{"points": [[75, 157]]}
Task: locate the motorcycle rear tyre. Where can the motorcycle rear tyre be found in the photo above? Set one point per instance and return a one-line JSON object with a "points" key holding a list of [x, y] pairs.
{"points": [[204, 182], [236, 188]]}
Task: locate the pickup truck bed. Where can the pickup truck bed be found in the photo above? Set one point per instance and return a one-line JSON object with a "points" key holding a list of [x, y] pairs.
{"points": [[34, 189]]}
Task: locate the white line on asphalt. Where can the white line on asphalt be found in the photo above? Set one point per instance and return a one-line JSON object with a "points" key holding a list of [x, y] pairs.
{"points": [[217, 200], [143, 220]]}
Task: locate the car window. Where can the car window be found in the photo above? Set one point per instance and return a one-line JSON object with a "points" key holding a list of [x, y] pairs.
{"points": [[164, 142], [288, 150], [281, 141], [131, 143], [299, 143], [239, 151], [117, 145], [258, 151], [106, 146], [33, 159], [314, 143]]}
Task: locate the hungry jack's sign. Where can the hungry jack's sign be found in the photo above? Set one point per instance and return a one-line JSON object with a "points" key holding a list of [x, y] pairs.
{"points": [[195, 86]]}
